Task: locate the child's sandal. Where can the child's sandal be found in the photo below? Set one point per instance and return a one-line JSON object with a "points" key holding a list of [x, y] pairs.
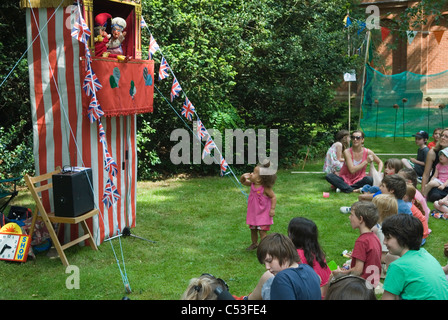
{"points": [[253, 246]]}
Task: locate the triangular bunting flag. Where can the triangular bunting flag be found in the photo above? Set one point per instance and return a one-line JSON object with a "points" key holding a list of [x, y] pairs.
{"points": [[209, 145], [175, 89], [223, 166], [188, 109], [384, 33], [411, 36], [202, 132], [347, 21], [143, 23], [438, 34], [153, 47], [163, 70]]}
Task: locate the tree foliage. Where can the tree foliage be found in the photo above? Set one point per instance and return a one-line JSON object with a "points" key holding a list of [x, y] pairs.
{"points": [[251, 64], [243, 64]]}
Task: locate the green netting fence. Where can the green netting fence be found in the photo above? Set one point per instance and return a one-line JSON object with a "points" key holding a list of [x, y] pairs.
{"points": [[400, 105]]}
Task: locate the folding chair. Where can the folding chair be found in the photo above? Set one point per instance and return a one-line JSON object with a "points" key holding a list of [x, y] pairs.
{"points": [[50, 218], [8, 188]]}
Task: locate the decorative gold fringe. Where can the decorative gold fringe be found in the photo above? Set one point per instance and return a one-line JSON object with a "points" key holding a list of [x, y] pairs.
{"points": [[44, 3], [65, 3]]}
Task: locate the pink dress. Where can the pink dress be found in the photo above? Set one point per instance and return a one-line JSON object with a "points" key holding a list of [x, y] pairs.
{"points": [[443, 172], [258, 208], [352, 178]]}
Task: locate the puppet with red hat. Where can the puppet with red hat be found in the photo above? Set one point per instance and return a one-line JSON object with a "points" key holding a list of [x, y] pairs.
{"points": [[101, 36]]}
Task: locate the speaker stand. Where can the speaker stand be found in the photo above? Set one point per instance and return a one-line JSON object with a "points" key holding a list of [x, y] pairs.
{"points": [[127, 233]]}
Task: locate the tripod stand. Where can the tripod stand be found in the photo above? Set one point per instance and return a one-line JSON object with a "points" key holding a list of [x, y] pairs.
{"points": [[126, 233]]}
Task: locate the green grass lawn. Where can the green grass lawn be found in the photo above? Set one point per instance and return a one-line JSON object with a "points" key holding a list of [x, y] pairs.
{"points": [[199, 227]]}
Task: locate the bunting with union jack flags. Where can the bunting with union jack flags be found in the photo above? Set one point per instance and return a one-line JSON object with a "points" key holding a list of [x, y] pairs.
{"points": [[91, 85]]}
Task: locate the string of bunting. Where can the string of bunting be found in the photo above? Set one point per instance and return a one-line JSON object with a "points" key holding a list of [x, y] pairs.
{"points": [[188, 111], [385, 31], [91, 85]]}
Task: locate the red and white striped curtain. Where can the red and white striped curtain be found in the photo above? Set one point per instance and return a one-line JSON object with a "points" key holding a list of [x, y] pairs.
{"points": [[63, 136]]}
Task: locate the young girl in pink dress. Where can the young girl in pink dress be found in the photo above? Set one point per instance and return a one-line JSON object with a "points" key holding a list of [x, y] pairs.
{"points": [[440, 177], [261, 203]]}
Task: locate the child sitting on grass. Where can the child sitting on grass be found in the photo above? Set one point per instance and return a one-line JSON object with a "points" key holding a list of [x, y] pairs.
{"points": [[304, 234], [418, 164], [416, 275], [396, 185], [440, 176], [410, 176], [387, 206], [416, 209], [391, 166], [366, 254]]}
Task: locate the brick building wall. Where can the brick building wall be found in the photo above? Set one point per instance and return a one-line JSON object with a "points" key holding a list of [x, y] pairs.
{"points": [[425, 55]]}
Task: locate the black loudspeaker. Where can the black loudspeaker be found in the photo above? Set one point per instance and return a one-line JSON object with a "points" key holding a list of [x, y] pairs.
{"points": [[72, 192]]}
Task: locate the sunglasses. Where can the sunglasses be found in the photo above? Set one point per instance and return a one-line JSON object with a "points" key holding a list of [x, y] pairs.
{"points": [[222, 282], [356, 137]]}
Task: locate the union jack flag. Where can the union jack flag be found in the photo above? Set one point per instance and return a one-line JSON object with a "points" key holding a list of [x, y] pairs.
{"points": [[88, 58], [223, 166], [188, 109], [202, 132], [111, 194], [175, 89], [91, 83], [209, 145], [102, 133], [142, 23], [163, 70], [81, 31], [109, 163], [94, 112], [153, 47]]}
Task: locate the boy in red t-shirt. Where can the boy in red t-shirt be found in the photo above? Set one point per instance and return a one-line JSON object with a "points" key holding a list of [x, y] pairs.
{"points": [[366, 255]]}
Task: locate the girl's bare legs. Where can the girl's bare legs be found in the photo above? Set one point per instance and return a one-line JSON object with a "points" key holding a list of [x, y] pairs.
{"points": [[254, 239], [263, 234]]}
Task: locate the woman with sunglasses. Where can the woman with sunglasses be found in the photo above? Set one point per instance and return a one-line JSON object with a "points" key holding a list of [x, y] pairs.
{"points": [[353, 173], [432, 159]]}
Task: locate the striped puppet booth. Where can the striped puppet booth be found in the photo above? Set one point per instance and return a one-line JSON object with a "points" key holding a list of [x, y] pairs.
{"points": [[85, 99]]}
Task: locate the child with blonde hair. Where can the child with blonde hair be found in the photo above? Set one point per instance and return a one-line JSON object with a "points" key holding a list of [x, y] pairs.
{"points": [[262, 201], [387, 206]]}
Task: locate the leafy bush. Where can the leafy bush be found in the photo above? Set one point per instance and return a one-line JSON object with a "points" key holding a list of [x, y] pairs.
{"points": [[16, 153]]}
